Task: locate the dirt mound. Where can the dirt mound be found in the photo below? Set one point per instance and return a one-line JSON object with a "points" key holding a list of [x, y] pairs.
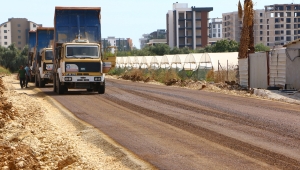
{"points": [[13, 155], [17, 157]]}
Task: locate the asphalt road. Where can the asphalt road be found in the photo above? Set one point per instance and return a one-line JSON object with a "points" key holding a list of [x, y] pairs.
{"points": [[176, 128]]}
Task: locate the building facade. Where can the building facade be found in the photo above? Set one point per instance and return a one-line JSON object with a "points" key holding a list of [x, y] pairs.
{"points": [[231, 26], [122, 44], [16, 30], [187, 27], [215, 30], [144, 40], [275, 25]]}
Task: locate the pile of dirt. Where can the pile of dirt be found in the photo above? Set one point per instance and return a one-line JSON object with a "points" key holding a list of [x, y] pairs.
{"points": [[13, 153]]}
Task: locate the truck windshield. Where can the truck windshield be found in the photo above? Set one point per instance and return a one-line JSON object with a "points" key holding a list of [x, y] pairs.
{"points": [[49, 55], [82, 51]]}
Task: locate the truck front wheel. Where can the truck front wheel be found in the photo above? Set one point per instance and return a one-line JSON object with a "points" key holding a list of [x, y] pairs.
{"points": [[101, 89], [59, 87]]}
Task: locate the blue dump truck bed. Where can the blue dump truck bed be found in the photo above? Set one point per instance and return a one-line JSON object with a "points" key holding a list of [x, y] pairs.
{"points": [[69, 22], [44, 35], [32, 40]]}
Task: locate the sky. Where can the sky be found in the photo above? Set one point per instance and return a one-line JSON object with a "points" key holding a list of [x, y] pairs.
{"points": [[121, 18]]}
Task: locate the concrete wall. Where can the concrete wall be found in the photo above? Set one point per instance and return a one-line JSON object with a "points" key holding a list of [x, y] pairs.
{"points": [[293, 66]]}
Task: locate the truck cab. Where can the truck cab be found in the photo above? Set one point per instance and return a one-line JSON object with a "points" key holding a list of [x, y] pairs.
{"points": [[79, 67], [45, 66]]}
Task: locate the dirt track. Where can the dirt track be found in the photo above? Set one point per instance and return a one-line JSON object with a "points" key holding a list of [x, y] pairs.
{"points": [[175, 128]]}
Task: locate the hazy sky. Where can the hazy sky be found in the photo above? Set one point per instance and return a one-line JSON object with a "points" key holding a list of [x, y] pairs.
{"points": [[120, 18]]}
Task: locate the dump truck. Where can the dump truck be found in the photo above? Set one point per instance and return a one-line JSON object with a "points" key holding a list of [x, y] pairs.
{"points": [[42, 70], [31, 50], [78, 55]]}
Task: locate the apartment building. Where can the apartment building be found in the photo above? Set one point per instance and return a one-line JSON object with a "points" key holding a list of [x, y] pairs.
{"points": [[275, 25], [144, 40], [122, 44], [215, 30], [15, 30], [187, 27], [231, 26]]}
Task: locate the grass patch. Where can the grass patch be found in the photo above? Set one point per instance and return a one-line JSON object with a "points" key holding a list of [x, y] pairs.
{"points": [[4, 71]]}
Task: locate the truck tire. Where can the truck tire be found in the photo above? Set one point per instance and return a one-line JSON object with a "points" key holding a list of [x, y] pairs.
{"points": [[54, 83], [41, 82], [101, 89], [36, 83], [59, 87]]}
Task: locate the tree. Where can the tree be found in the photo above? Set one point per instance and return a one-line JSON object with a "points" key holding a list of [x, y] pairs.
{"points": [[175, 50], [261, 47], [9, 56]]}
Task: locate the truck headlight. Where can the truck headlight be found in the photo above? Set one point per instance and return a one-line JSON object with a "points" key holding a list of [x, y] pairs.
{"points": [[68, 78], [97, 78]]}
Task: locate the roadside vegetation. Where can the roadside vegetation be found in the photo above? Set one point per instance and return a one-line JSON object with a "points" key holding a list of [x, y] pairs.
{"points": [[11, 57], [4, 71], [179, 77], [223, 45]]}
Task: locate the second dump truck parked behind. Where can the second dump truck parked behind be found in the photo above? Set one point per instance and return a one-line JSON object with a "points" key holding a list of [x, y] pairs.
{"points": [[44, 56]]}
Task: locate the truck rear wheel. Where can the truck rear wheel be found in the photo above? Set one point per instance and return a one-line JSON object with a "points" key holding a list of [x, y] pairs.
{"points": [[54, 83]]}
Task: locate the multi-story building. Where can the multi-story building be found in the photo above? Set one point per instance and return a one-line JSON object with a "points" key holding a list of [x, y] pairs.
{"points": [[122, 44], [159, 34], [144, 40], [231, 26], [187, 27], [275, 25], [215, 30], [15, 30]]}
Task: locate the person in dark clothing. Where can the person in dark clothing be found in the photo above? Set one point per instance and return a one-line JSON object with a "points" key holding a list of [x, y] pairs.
{"points": [[22, 76]]}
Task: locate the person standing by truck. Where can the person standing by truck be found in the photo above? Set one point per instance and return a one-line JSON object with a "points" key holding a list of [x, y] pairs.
{"points": [[22, 76], [27, 69]]}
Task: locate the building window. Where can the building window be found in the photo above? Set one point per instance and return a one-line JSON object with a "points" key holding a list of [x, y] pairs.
{"points": [[19, 37], [5, 37], [34, 25], [214, 26], [267, 32], [19, 48], [19, 31], [5, 31], [219, 35], [214, 35], [261, 32], [261, 20], [19, 25], [19, 42], [5, 43], [268, 39], [5, 25], [260, 38], [261, 26], [260, 14]]}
